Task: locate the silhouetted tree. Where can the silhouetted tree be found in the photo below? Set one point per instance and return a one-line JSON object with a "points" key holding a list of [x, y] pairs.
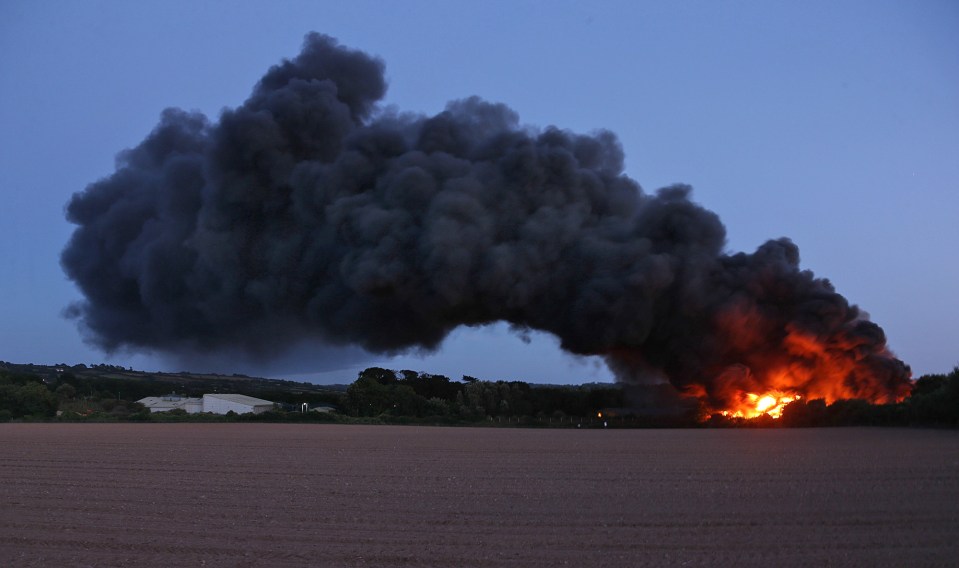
{"points": [[936, 401], [367, 397], [380, 375], [804, 413], [65, 391]]}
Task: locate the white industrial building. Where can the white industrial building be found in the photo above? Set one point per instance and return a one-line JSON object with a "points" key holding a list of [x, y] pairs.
{"points": [[213, 403], [239, 403], [170, 402]]}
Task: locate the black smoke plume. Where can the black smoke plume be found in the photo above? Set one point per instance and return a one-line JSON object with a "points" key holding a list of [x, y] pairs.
{"points": [[311, 212]]}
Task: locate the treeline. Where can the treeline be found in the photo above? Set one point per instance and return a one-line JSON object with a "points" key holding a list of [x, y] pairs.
{"points": [[387, 393], [385, 396], [23, 395], [109, 392], [377, 396], [934, 401], [391, 395]]}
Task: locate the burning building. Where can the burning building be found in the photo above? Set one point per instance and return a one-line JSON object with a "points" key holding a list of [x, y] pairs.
{"points": [[310, 212]]}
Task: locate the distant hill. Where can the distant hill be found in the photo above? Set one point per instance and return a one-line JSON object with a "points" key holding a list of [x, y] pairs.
{"points": [[135, 384]]}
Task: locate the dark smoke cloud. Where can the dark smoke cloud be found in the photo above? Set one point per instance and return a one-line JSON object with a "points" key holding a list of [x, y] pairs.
{"points": [[308, 212]]}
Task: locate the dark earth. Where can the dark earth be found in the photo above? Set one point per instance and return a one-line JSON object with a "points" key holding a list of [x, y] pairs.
{"points": [[347, 495]]}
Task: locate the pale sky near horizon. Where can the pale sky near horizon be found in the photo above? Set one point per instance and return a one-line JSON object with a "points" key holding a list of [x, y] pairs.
{"points": [[834, 123]]}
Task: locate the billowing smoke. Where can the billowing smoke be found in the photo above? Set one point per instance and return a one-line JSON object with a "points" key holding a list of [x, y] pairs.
{"points": [[310, 212]]}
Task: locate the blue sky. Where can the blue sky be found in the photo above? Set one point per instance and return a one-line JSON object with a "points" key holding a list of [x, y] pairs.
{"points": [[833, 123]]}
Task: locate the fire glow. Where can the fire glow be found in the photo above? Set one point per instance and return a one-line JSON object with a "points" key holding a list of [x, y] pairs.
{"points": [[311, 213], [769, 358], [746, 390], [755, 405]]}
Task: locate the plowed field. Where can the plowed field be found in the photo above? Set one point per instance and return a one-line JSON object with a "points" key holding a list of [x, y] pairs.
{"points": [[331, 495]]}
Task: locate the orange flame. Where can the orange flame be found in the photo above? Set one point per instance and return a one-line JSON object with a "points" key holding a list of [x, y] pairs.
{"points": [[776, 367], [754, 405]]}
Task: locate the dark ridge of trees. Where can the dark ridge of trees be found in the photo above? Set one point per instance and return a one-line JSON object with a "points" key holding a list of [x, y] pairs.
{"points": [[109, 392], [378, 395], [112, 381], [935, 402], [25, 396], [379, 392], [392, 395]]}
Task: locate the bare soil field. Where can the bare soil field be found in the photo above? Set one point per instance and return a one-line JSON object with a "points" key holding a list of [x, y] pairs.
{"points": [[334, 495]]}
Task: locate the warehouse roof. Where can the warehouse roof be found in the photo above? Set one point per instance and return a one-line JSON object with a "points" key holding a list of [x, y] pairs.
{"points": [[169, 402], [240, 399]]}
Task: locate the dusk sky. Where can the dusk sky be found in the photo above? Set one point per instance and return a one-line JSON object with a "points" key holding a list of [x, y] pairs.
{"points": [[835, 124]]}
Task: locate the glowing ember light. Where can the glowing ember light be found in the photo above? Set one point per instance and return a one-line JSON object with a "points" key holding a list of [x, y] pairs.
{"points": [[765, 403], [773, 362], [754, 405]]}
